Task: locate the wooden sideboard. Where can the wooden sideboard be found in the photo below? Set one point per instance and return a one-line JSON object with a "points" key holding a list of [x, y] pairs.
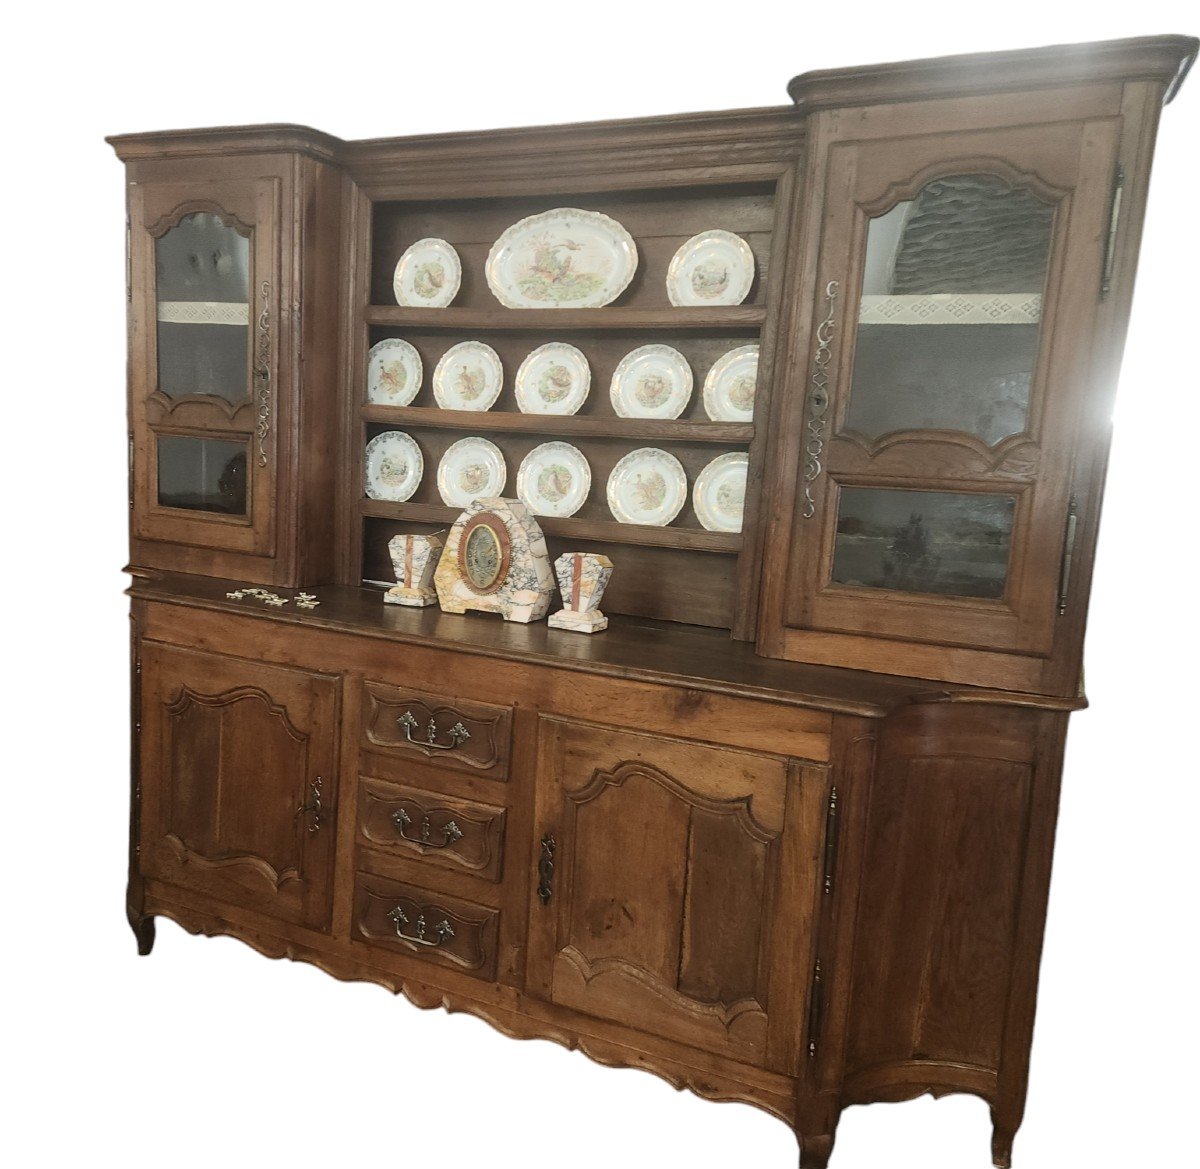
{"points": [[782, 833]]}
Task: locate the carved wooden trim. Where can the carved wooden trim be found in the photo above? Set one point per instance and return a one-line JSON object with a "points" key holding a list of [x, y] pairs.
{"points": [[1016, 456], [189, 856], [177, 214], [188, 696], [904, 189], [168, 405]]}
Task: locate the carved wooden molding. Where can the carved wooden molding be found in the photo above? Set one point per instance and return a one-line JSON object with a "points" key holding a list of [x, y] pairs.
{"points": [[168, 405], [189, 856], [902, 190], [188, 696], [177, 214], [1017, 455]]}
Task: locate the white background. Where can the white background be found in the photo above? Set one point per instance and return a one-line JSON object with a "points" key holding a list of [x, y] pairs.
{"points": [[206, 1053]]}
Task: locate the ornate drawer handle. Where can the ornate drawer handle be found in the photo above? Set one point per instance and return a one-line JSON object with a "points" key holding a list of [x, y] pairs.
{"points": [[444, 930], [451, 832], [262, 374], [545, 888], [313, 808], [818, 402], [458, 733]]}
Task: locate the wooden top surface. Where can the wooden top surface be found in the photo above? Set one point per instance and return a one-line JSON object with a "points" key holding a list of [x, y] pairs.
{"points": [[639, 648]]}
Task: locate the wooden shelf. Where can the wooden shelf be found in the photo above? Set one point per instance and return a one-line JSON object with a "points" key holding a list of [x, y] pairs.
{"points": [[540, 320], [658, 429], [603, 531]]}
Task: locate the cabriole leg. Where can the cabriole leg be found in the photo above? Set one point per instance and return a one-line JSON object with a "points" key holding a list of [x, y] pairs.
{"points": [[815, 1150], [1002, 1143]]}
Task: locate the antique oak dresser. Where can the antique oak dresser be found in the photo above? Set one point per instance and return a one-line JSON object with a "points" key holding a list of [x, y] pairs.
{"points": [[782, 834]]}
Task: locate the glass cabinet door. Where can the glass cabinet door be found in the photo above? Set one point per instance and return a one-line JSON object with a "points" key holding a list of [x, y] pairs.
{"points": [[942, 391], [205, 384]]}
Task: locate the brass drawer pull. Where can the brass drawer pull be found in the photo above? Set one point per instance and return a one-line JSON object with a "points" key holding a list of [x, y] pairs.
{"points": [[313, 808], [458, 733], [818, 403], [451, 832], [546, 870], [444, 930]]}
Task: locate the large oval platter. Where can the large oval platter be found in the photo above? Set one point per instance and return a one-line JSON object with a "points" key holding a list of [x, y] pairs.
{"points": [[565, 258]]}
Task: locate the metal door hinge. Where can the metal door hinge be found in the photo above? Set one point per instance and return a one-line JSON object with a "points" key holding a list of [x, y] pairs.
{"points": [[130, 475], [831, 841], [1110, 243], [128, 260], [816, 1010], [1064, 572]]}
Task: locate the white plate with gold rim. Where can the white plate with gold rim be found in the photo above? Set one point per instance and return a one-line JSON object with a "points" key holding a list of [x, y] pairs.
{"points": [[553, 379], [714, 267], [719, 494], [393, 466], [428, 275], [651, 381], [565, 258], [554, 479], [394, 373], [648, 486], [730, 385], [471, 468], [468, 377]]}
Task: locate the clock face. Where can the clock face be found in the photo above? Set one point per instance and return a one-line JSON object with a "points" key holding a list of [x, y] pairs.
{"points": [[483, 557]]}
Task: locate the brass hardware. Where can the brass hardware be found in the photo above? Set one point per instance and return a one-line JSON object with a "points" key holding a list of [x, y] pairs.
{"points": [[818, 402], [1110, 243], [816, 1010], [451, 832], [545, 889], [130, 479], [444, 930], [458, 733], [831, 840], [262, 374], [313, 808], [1064, 575]]}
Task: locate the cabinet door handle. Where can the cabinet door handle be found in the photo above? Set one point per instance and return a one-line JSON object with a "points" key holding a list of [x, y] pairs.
{"points": [[458, 733], [262, 373], [443, 931], [545, 868], [313, 807], [451, 832], [816, 421]]}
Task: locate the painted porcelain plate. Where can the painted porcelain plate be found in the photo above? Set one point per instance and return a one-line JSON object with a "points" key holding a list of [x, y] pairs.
{"points": [[720, 492], [394, 466], [394, 373], [565, 258], [553, 379], [653, 381], [469, 377], [471, 468], [730, 384], [554, 479], [648, 486], [428, 275], [714, 267]]}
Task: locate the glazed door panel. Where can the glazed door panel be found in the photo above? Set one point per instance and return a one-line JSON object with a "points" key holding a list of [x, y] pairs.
{"points": [[239, 781], [937, 410], [675, 887], [205, 294]]}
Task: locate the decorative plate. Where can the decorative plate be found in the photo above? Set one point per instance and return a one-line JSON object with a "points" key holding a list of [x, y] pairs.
{"points": [[394, 466], [470, 468], [648, 486], [714, 267], [565, 258], [729, 387], [653, 381], [554, 479], [468, 377], [428, 275], [553, 379], [394, 373], [720, 492]]}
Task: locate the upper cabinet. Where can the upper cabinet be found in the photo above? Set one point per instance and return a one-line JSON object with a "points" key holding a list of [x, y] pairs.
{"points": [[960, 289], [232, 269]]}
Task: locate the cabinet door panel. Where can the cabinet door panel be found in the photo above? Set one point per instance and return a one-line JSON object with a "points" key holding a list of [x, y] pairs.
{"points": [[670, 900], [239, 781]]}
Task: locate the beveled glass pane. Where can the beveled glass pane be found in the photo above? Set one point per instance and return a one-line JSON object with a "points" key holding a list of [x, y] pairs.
{"points": [[202, 474], [202, 272], [952, 301], [949, 543]]}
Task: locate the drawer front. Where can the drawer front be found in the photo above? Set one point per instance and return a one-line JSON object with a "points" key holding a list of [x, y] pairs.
{"points": [[449, 732], [430, 926], [435, 830]]}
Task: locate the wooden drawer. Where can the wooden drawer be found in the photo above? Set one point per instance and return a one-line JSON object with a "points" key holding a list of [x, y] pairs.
{"points": [[435, 830], [425, 925], [468, 736]]}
